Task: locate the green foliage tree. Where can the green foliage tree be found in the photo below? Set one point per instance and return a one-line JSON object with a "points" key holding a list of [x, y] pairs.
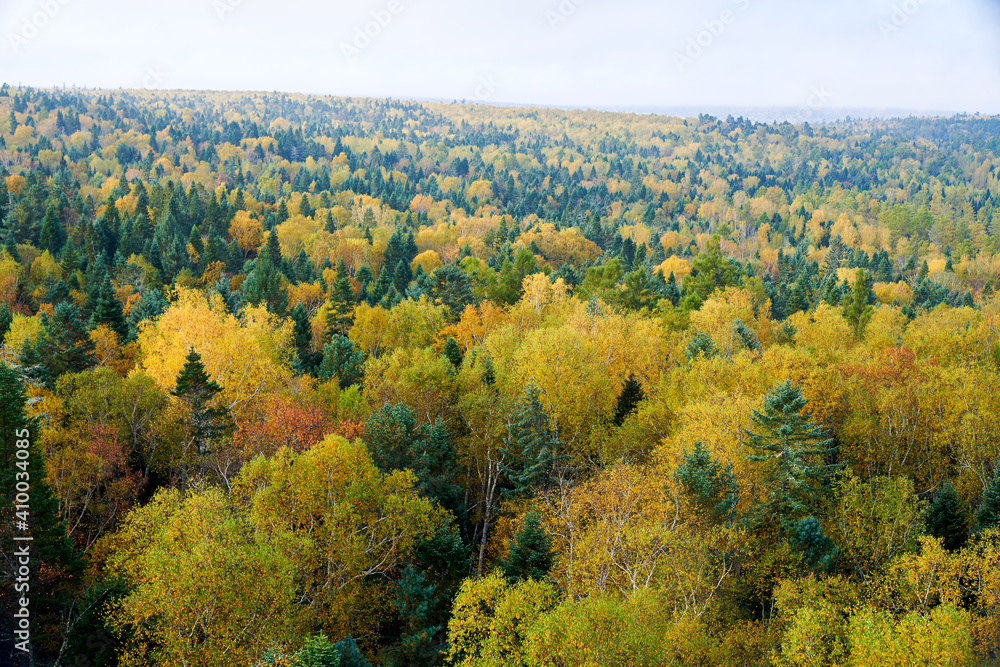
{"points": [[108, 310], [64, 346], [531, 555], [197, 390], [794, 452], [397, 442], [341, 359], [711, 270], [947, 518], [709, 485], [988, 514], [858, 310], [531, 448]]}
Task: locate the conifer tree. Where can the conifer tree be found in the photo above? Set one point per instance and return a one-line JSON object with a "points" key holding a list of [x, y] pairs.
{"points": [[54, 565], [64, 345], [108, 311], [531, 555], [794, 452], [341, 359], [707, 483], [857, 306], [948, 519], [197, 390], [452, 352], [989, 510], [531, 448]]}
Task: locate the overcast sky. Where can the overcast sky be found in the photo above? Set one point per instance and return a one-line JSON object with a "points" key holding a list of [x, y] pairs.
{"points": [[904, 54]]}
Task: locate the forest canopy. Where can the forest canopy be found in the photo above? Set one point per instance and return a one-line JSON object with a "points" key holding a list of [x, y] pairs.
{"points": [[319, 381]]}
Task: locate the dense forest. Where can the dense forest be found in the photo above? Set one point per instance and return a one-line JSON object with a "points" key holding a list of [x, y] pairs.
{"points": [[329, 381]]}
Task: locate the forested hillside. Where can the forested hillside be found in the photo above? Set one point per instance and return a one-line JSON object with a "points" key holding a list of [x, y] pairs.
{"points": [[319, 381]]}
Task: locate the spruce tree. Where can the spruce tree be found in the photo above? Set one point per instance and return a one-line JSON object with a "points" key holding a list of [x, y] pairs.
{"points": [[452, 352], [988, 515], [628, 400], [108, 310], [64, 346], [794, 452], [948, 519], [6, 319], [531, 555], [197, 390], [857, 306], [531, 448], [709, 485], [341, 359]]}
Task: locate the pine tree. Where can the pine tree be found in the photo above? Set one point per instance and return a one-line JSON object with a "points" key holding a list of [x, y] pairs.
{"points": [[628, 400], [793, 450], [64, 346], [531, 555], [671, 291], [341, 359], [6, 319], [197, 391], [746, 336], [419, 642], [988, 515], [452, 352], [948, 519], [707, 483], [531, 448], [108, 310], [396, 442], [857, 307], [701, 344]]}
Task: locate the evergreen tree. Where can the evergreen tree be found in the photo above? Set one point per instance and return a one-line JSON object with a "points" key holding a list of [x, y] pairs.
{"points": [[64, 345], [452, 352], [818, 551], [341, 359], [150, 305], [419, 642], [108, 310], [794, 451], [746, 336], [988, 515], [947, 518], [701, 344], [671, 291], [52, 235], [6, 319], [531, 448], [307, 361], [396, 442], [857, 306], [628, 400], [707, 483], [450, 288], [338, 314], [531, 555], [197, 391]]}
